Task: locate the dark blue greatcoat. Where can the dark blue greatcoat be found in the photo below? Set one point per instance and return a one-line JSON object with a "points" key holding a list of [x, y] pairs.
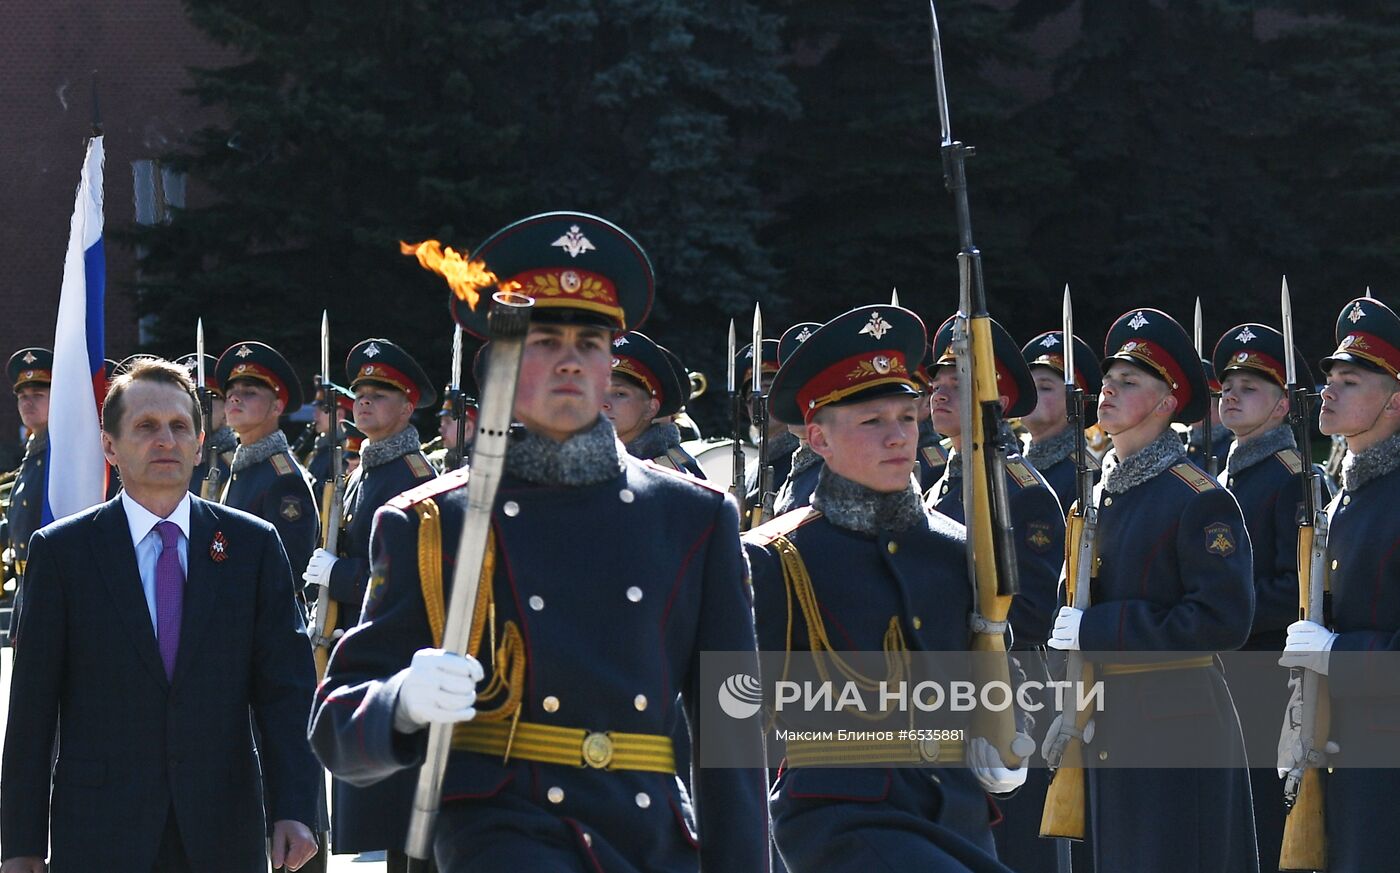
{"points": [[613, 626], [1270, 494], [368, 489], [277, 490], [1174, 575], [859, 820], [1040, 552], [133, 745], [366, 819], [1364, 545]]}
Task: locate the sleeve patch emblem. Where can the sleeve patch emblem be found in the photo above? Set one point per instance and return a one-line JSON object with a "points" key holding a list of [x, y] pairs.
{"points": [[290, 509], [1219, 540], [1038, 536]]}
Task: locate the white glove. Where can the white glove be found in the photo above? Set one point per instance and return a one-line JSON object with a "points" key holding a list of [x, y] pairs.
{"points": [[318, 569], [989, 769], [1309, 646], [1290, 739], [439, 687], [1061, 731], [1065, 634]]}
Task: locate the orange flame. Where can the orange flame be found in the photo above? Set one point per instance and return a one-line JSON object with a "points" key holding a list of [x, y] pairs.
{"points": [[466, 277]]}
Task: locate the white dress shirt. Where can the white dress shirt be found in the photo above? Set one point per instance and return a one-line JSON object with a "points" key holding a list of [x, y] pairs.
{"points": [[146, 539]]}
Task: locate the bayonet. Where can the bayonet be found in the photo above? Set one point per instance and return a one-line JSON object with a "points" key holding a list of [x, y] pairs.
{"points": [[762, 509], [1207, 424], [894, 296], [736, 422], [210, 488], [459, 397]]}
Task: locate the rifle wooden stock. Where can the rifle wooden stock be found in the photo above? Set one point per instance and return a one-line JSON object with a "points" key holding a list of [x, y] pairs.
{"points": [[327, 614], [986, 535], [1305, 829], [1066, 798]]}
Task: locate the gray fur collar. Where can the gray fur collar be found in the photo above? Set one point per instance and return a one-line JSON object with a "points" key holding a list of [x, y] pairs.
{"points": [[1044, 454], [803, 459], [857, 508], [782, 445], [1372, 463], [1157, 456], [588, 457], [654, 441], [378, 453], [223, 440], [1259, 449], [244, 457]]}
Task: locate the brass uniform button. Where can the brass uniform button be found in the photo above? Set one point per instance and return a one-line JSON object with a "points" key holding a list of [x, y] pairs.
{"points": [[1108, 501], [918, 622], [640, 701], [555, 794], [550, 703], [536, 602], [892, 547], [643, 799]]}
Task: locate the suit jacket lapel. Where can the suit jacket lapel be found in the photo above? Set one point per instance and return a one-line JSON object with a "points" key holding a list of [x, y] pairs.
{"points": [[115, 555], [201, 583]]}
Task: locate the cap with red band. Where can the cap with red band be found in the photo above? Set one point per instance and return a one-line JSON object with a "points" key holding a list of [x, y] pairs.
{"points": [[381, 362], [868, 352], [1368, 334], [258, 362], [1154, 342]]}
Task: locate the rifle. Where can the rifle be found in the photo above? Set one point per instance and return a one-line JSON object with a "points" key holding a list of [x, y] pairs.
{"points": [[1209, 461], [1304, 830], [986, 505], [509, 319], [1065, 799], [210, 488], [327, 612], [762, 510], [736, 417]]}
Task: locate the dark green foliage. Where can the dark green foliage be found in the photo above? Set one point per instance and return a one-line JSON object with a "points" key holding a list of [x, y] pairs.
{"points": [[353, 126]]}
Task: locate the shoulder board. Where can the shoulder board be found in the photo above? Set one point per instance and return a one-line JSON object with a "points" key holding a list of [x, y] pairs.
{"points": [[783, 525], [1021, 472], [441, 485], [935, 455], [1291, 459], [282, 464], [1193, 477], [419, 466]]}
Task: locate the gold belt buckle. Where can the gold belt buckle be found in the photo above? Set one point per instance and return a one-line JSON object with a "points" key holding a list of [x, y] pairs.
{"points": [[597, 750]]}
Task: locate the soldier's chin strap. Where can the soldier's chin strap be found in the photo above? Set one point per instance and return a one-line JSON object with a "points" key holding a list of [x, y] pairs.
{"points": [[1372, 426]]}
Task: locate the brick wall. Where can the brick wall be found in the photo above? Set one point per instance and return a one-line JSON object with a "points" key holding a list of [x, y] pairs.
{"points": [[48, 50]]}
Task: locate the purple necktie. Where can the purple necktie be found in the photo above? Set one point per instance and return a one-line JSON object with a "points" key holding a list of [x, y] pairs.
{"points": [[170, 594]]}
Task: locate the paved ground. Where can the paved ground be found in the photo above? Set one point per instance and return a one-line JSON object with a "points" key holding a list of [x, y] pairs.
{"points": [[339, 863]]}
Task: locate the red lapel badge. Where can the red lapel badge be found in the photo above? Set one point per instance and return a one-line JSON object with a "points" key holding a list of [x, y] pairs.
{"points": [[218, 549]]}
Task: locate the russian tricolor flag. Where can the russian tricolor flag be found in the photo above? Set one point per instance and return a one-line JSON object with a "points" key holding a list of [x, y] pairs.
{"points": [[77, 470]]}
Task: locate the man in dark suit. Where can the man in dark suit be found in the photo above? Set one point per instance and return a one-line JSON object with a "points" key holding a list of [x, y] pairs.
{"points": [[158, 624]]}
